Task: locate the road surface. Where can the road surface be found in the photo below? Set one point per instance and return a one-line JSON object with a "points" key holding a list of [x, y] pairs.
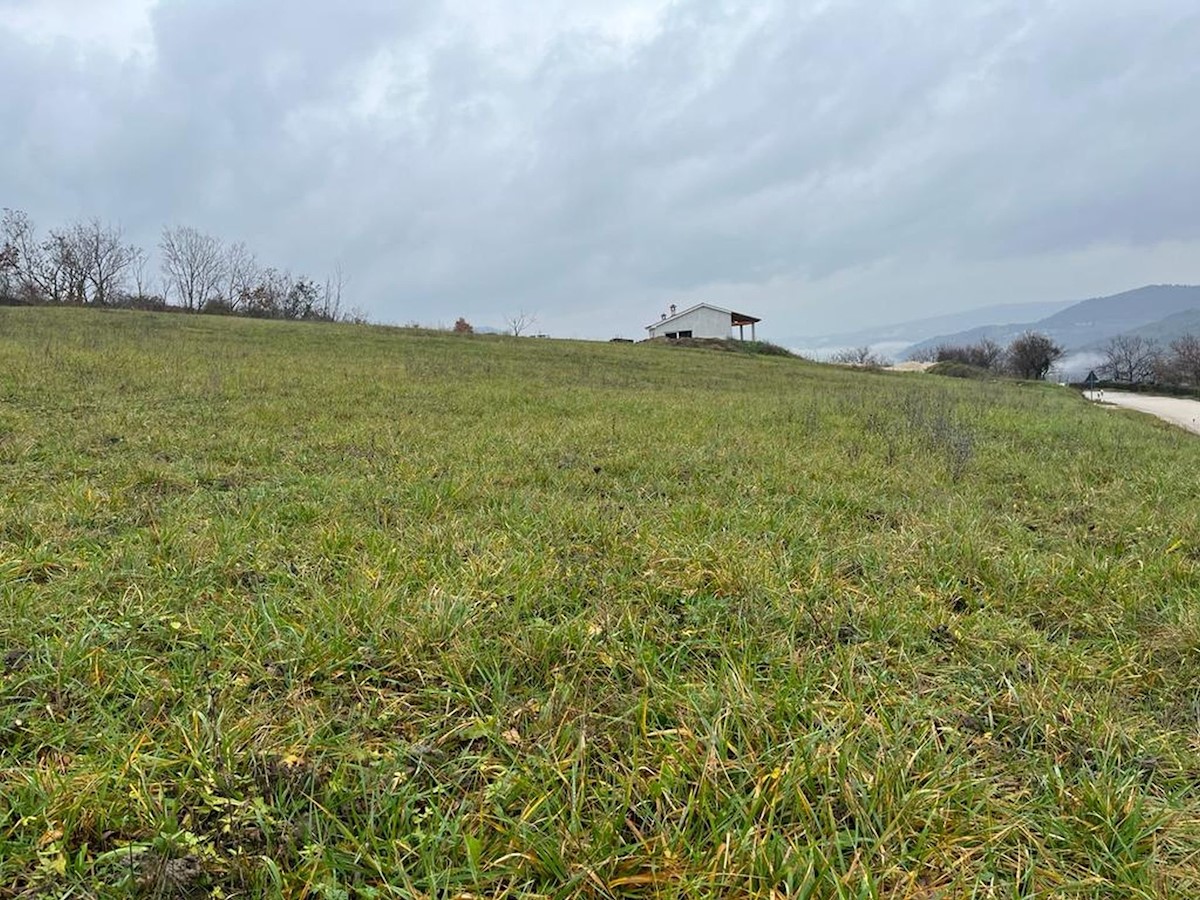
{"points": [[1176, 410]]}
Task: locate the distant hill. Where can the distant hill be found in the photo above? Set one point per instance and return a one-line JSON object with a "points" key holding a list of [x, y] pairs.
{"points": [[1105, 317], [919, 329], [1089, 323], [1164, 330], [899, 335]]}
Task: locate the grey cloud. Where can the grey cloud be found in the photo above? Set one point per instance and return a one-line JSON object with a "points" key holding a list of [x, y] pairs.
{"points": [[829, 162]]}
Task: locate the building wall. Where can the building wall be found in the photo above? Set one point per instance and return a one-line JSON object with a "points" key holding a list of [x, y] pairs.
{"points": [[702, 323]]}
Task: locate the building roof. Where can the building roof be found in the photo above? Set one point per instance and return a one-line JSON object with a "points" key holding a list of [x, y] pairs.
{"points": [[735, 318]]}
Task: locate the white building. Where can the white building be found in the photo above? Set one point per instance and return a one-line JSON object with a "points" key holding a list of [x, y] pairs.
{"points": [[702, 321]]}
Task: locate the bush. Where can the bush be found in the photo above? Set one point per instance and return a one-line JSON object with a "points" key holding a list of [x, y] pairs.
{"points": [[218, 306], [986, 354], [766, 348], [147, 303], [958, 370], [731, 345]]}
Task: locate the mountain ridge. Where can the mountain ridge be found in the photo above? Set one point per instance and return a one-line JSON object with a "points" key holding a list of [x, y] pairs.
{"points": [[1087, 323], [911, 330]]}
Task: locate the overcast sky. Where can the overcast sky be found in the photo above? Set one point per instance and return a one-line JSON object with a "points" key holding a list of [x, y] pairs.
{"points": [[824, 165]]}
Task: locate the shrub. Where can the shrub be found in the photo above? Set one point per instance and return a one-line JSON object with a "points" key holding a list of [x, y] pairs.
{"points": [[731, 345], [218, 306], [986, 354], [766, 348], [958, 370]]}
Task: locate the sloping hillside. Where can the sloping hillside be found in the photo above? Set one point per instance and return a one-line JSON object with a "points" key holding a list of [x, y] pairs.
{"points": [[1164, 330], [1104, 317], [1089, 322], [333, 611], [908, 332]]}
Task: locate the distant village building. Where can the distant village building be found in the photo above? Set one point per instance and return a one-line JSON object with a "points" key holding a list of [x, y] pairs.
{"points": [[702, 321]]}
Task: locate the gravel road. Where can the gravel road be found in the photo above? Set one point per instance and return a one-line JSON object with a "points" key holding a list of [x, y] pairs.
{"points": [[1176, 410]]}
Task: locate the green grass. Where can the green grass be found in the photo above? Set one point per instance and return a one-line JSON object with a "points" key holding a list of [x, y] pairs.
{"points": [[332, 611]]}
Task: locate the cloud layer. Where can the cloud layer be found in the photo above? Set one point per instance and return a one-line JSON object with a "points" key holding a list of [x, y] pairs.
{"points": [[823, 164]]}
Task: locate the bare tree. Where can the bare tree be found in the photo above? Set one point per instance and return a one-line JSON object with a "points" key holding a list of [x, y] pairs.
{"points": [[17, 238], [356, 315], [863, 357], [520, 322], [924, 354], [104, 257], [65, 265], [35, 279], [90, 262], [331, 301], [1185, 359], [1032, 354], [985, 354], [988, 353], [81, 263], [8, 271], [137, 271], [1131, 358], [193, 265], [241, 273]]}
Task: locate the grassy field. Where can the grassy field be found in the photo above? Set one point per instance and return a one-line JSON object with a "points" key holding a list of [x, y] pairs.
{"points": [[332, 611]]}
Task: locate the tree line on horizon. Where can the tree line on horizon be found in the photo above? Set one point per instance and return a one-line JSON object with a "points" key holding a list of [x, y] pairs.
{"points": [[1127, 359], [1136, 360], [90, 263], [1032, 356]]}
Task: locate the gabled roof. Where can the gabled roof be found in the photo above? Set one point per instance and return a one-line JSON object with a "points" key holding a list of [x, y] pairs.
{"points": [[685, 312], [735, 318]]}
